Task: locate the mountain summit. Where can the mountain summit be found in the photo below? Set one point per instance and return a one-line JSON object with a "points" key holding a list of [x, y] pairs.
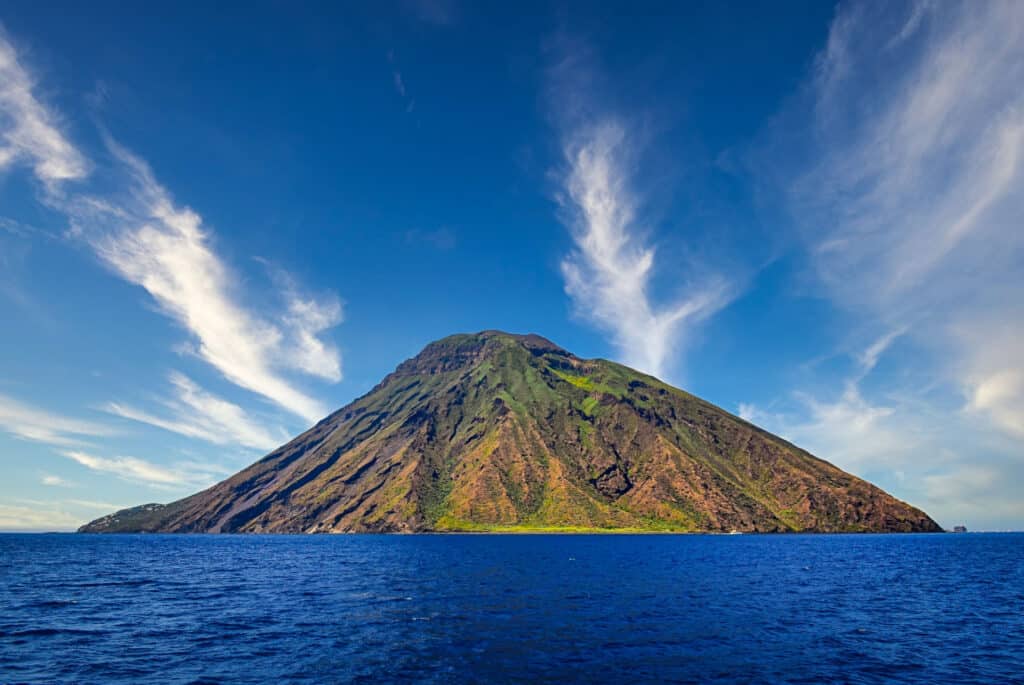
{"points": [[500, 432]]}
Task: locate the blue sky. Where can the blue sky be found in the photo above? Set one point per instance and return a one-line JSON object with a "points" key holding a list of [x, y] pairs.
{"points": [[217, 227]]}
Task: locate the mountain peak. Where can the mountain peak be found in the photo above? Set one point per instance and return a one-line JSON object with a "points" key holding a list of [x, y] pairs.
{"points": [[502, 431], [463, 350], [530, 341]]}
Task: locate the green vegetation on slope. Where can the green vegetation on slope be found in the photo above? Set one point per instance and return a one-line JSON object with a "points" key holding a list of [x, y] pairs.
{"points": [[504, 433]]}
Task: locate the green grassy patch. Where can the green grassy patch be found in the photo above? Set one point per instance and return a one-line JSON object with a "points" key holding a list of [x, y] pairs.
{"points": [[449, 524], [588, 405], [586, 431], [581, 382]]}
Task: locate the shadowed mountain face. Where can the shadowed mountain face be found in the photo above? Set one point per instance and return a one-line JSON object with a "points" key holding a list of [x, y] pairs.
{"points": [[508, 432]]}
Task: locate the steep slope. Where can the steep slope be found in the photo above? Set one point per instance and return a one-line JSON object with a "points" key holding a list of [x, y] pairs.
{"points": [[494, 431]]}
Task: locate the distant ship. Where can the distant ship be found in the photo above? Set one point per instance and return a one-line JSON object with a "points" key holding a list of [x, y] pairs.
{"points": [[959, 529]]}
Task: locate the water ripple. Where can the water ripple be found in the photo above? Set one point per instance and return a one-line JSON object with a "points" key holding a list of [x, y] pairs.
{"points": [[236, 609]]}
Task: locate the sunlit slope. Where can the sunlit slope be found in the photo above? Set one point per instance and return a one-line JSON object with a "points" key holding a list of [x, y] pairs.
{"points": [[502, 432]]}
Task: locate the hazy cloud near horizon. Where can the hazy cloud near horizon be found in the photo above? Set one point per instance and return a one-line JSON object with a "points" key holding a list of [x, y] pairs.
{"points": [[907, 196]]}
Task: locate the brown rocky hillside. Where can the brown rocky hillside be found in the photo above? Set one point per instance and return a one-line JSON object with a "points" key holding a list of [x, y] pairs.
{"points": [[505, 432]]}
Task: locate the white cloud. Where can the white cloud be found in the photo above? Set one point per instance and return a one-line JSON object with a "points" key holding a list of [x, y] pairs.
{"points": [[854, 434], [869, 358], [872, 439], [28, 131], [92, 504], [149, 241], [609, 274], [81, 503], [305, 318], [20, 518], [31, 423], [977, 495], [1001, 394], [972, 481], [55, 481], [993, 370], [17, 228], [902, 167], [851, 431], [912, 210], [141, 471], [47, 515], [140, 234], [199, 414]]}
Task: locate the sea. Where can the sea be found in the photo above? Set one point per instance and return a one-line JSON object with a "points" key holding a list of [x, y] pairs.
{"points": [[939, 608]]}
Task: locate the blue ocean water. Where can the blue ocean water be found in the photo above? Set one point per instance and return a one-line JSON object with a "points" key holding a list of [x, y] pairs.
{"points": [[485, 608]]}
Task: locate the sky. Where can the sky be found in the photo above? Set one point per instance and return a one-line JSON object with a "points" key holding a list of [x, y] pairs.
{"points": [[217, 225]]}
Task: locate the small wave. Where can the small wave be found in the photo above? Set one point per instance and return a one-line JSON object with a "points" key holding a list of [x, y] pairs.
{"points": [[50, 632], [117, 583], [232, 625], [51, 604]]}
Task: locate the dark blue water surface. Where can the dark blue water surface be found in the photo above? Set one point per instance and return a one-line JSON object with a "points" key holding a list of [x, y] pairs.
{"points": [[456, 608]]}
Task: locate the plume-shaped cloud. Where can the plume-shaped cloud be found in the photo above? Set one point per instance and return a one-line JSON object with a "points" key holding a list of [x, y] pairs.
{"points": [[609, 274]]}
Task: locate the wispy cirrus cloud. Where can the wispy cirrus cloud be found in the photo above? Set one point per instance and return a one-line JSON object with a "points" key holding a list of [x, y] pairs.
{"points": [[150, 242], [29, 132], [901, 165], [38, 425], [197, 413], [93, 504], [912, 207], [79, 503], [148, 473], [850, 430], [145, 238]]}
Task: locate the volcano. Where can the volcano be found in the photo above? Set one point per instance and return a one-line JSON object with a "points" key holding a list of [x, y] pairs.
{"points": [[511, 433]]}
